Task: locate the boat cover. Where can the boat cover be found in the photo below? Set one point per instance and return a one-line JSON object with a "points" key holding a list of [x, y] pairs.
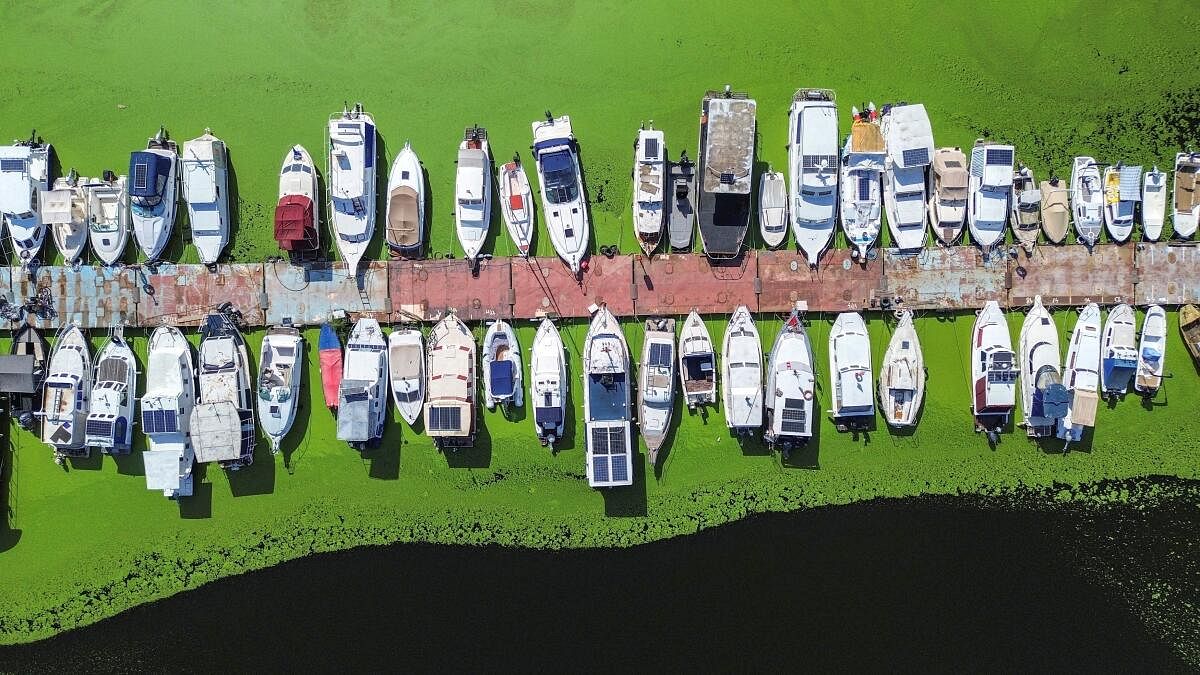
{"points": [[354, 407], [1185, 186], [1051, 400], [403, 228], [294, 222], [216, 432], [162, 466], [548, 418], [1131, 183], [148, 174], [502, 378], [330, 350]]}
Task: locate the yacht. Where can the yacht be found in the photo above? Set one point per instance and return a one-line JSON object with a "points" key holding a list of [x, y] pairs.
{"points": [[726, 166], [516, 205], [406, 367], [1043, 396], [742, 372], [1154, 203], [656, 380], [1185, 205], [909, 139], [993, 371], [406, 205], [166, 410], [861, 191], [153, 194], [1087, 200], [108, 217], [280, 370], [850, 372], [473, 193], [114, 387], [450, 390], [548, 383], [64, 212], [363, 396], [351, 183], [24, 176], [609, 455], [813, 170], [1152, 352], [902, 375], [1082, 375], [948, 194], [791, 386], [296, 212], [772, 208], [989, 193], [1025, 213], [564, 206], [65, 394], [222, 422], [649, 183], [502, 367], [1122, 192], [205, 171], [1118, 352]]}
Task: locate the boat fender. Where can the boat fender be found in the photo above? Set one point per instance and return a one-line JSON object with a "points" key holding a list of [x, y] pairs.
{"points": [[808, 395], [858, 376]]}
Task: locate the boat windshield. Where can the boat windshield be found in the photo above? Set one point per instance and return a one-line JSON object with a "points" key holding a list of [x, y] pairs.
{"points": [[558, 169]]}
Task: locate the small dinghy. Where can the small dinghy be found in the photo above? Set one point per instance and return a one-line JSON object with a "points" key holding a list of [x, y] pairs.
{"points": [[772, 209], [350, 176], [166, 413], [296, 214], [406, 366], [1043, 397], [1118, 352], [548, 383], [406, 205], [989, 192], [1081, 376], [1087, 200], [948, 194], [1056, 209], [1026, 214], [153, 194], [473, 193], [741, 371], [450, 385], [108, 217], [65, 395], [909, 138], [1152, 352], [114, 390], [362, 397], [649, 188], [205, 170], [24, 177], [24, 406], [853, 405], [682, 220], [902, 375], [1189, 327], [609, 456], [64, 211], [1154, 203], [862, 188], [329, 351], [516, 205], [813, 167], [501, 367], [222, 423], [1122, 192], [280, 369], [993, 372], [564, 206], [656, 379], [726, 171], [791, 386], [1185, 207], [697, 363]]}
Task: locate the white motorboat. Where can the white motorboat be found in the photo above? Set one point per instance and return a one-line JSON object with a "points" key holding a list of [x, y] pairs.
{"points": [[222, 422], [362, 395], [1122, 192], [993, 371], [862, 188], [406, 204], [1081, 376], [909, 138], [406, 366], [516, 205], [450, 385], [108, 217], [649, 187], [502, 367], [563, 204], [697, 363], [773, 208], [902, 375], [280, 369], [742, 373], [350, 175], [989, 193], [166, 413], [1118, 351], [656, 384], [205, 171], [609, 456], [813, 168], [473, 192], [548, 383], [154, 193], [65, 395], [1154, 203], [297, 211], [1185, 204], [1087, 200], [791, 387], [1025, 214], [1043, 396], [24, 176], [1152, 352], [853, 402], [948, 194], [114, 389], [64, 212]]}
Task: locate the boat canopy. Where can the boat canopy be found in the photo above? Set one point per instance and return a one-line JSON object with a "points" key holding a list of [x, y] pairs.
{"points": [[910, 136], [294, 223], [548, 417], [15, 181], [1131, 183], [404, 227], [951, 175], [354, 408], [1050, 397], [148, 173], [216, 431], [502, 378]]}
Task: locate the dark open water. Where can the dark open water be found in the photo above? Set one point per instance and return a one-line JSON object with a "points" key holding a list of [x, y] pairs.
{"points": [[939, 583]]}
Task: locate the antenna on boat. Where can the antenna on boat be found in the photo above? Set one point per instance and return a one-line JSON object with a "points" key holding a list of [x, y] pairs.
{"points": [[728, 91], [549, 117]]}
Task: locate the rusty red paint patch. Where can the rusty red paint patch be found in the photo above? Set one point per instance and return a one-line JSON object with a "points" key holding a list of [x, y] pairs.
{"points": [[425, 289], [1167, 274], [91, 297], [678, 283], [545, 287], [950, 278], [838, 284], [182, 295], [1070, 275]]}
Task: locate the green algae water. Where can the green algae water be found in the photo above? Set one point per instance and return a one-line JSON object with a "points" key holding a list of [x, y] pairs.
{"points": [[82, 544]]}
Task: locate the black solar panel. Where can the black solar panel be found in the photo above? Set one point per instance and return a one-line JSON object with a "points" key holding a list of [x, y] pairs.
{"points": [[793, 403], [98, 428], [616, 440], [620, 469], [815, 163], [864, 189], [159, 421], [1002, 157], [600, 469], [445, 419], [600, 441], [792, 420], [652, 148], [12, 165], [140, 175], [660, 355], [916, 156]]}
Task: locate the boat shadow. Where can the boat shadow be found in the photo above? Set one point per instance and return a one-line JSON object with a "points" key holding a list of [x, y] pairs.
{"points": [[292, 448], [628, 501], [231, 253], [258, 478], [9, 536], [384, 455], [478, 456], [199, 505], [807, 456], [94, 461], [132, 463], [664, 451]]}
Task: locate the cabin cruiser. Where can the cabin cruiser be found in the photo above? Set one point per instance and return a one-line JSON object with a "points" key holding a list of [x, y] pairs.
{"points": [[989, 193], [24, 406], [1118, 352], [1185, 207], [697, 363], [406, 205], [363, 396], [450, 390], [656, 377], [1122, 192], [649, 183], [24, 176], [406, 367], [902, 374], [351, 183], [1026, 212], [1082, 375], [502, 367], [205, 170], [993, 371], [564, 205], [1087, 200], [1152, 352], [1056, 209], [166, 413], [65, 394], [742, 364], [609, 456], [153, 193], [548, 383], [909, 138], [108, 216], [296, 216], [222, 422], [1154, 203], [473, 192], [772, 208], [516, 205], [682, 219], [791, 386], [948, 194], [64, 212], [863, 158], [1043, 396], [280, 369], [114, 387], [727, 132], [850, 372], [813, 167]]}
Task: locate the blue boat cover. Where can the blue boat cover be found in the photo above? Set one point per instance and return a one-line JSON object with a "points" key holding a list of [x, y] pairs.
{"points": [[557, 161], [1151, 353], [548, 418], [1050, 402], [146, 172], [328, 339], [502, 378], [551, 143]]}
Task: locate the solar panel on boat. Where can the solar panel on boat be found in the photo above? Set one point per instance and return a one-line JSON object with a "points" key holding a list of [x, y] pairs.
{"points": [[916, 156], [792, 420], [652, 148], [98, 428], [600, 441], [620, 469], [600, 469], [12, 165], [445, 418], [159, 421], [864, 189], [140, 174], [1000, 156], [816, 163], [660, 355]]}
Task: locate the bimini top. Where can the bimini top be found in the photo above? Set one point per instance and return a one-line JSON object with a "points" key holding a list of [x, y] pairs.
{"points": [[217, 432], [729, 145], [354, 409], [502, 378], [1131, 183], [16, 186], [909, 136], [293, 215], [148, 174]]}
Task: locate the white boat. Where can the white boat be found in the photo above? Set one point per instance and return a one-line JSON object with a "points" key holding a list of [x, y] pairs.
{"points": [[862, 188], [516, 204], [222, 422], [450, 385], [362, 395], [114, 388], [1122, 192], [791, 387], [853, 402], [280, 369], [1185, 204], [154, 193], [108, 217], [1087, 200], [993, 371], [1025, 214], [909, 139], [609, 456], [948, 194], [24, 176], [656, 384], [502, 374], [406, 204], [989, 193], [65, 394], [473, 192], [1154, 203], [205, 171], [649, 187], [772, 208], [297, 212], [350, 176], [406, 367], [1118, 351], [1043, 396], [166, 413], [548, 383], [1152, 352], [742, 373], [1081, 376], [813, 169], [902, 375], [697, 363], [64, 212], [563, 205]]}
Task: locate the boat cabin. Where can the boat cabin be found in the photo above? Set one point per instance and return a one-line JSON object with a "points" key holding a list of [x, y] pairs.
{"points": [[169, 460], [295, 224], [149, 174], [995, 388]]}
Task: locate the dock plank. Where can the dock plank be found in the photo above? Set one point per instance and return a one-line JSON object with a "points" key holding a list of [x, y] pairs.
{"points": [[950, 278], [89, 296], [182, 295], [1070, 275], [838, 284], [426, 289], [545, 287], [678, 283], [1167, 273], [309, 294]]}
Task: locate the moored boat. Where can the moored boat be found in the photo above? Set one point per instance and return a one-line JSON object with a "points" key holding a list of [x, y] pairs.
{"points": [[993, 371], [1122, 192], [1056, 209], [725, 167], [108, 216], [909, 139], [1043, 397], [609, 455], [902, 374], [24, 406], [222, 422], [166, 410], [473, 193], [205, 180], [548, 383], [363, 396], [406, 205], [682, 219], [1185, 205], [1087, 200], [450, 384], [114, 389], [772, 208], [649, 183], [350, 175], [1026, 212], [697, 363], [861, 191], [24, 176], [329, 352], [656, 384], [791, 387], [64, 212], [65, 394], [1081, 376], [154, 193], [1152, 352], [1118, 351], [1189, 327], [1154, 203], [406, 368], [989, 192], [852, 401], [564, 207], [296, 212], [280, 369], [741, 373], [516, 205], [502, 374], [948, 194], [813, 170]]}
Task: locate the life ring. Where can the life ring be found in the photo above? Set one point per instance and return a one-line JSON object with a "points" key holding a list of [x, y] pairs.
{"points": [[858, 376], [808, 394]]}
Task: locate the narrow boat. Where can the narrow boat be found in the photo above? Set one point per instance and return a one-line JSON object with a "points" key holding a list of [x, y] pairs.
{"points": [[1026, 213], [909, 139], [1056, 209], [682, 220], [406, 367], [727, 132], [65, 395], [649, 187], [329, 351], [697, 363], [902, 375], [773, 208], [656, 380], [516, 204], [1152, 352], [742, 364], [108, 217], [296, 215], [114, 388], [564, 206], [947, 190], [280, 369], [861, 192], [24, 176], [363, 396], [989, 193], [1185, 207], [406, 205], [205, 170], [64, 212], [502, 367], [24, 406], [350, 175], [609, 456], [1087, 200], [1189, 327], [548, 383], [473, 192], [1082, 375], [813, 167], [791, 386], [850, 372], [450, 389], [1043, 397], [1118, 352], [166, 410], [153, 194], [222, 422], [1122, 192], [993, 371], [1154, 203]]}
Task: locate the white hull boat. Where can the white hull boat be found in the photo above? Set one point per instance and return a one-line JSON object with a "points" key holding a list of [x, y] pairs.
{"points": [[697, 363], [205, 171], [656, 380], [280, 369], [548, 383], [1043, 396], [609, 456], [473, 192], [772, 208], [516, 205], [64, 212], [1154, 203], [649, 188], [1087, 200], [1056, 209], [222, 422], [362, 395], [1122, 192], [1185, 204], [24, 176], [813, 168], [1081, 376], [989, 193], [297, 213], [948, 194], [791, 387], [65, 394], [406, 366], [108, 218], [862, 186], [502, 374], [742, 373], [902, 375], [1118, 352], [561, 183], [1152, 352], [406, 205], [450, 385], [351, 183], [114, 390], [993, 371], [909, 139], [166, 409], [154, 194], [853, 403]]}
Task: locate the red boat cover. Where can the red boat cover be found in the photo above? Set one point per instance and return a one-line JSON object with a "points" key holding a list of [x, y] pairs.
{"points": [[331, 375], [294, 222]]}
